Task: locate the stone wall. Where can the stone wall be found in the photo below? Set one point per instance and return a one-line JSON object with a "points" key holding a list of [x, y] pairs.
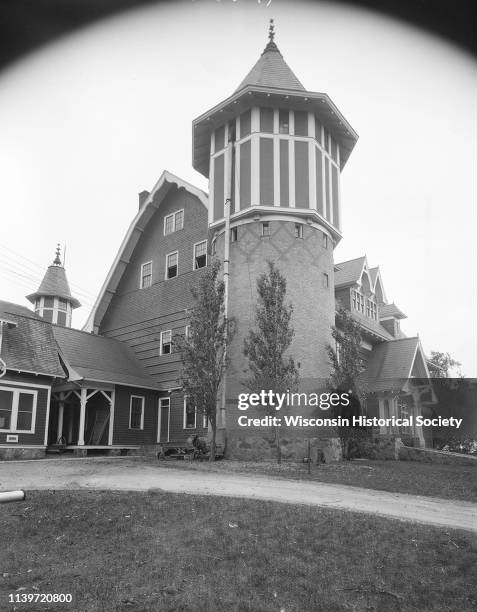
{"points": [[12, 454]]}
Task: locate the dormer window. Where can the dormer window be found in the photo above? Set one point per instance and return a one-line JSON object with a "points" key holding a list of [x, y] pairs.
{"points": [[358, 301], [371, 309]]}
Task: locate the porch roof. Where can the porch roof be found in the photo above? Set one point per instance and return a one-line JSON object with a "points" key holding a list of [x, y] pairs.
{"points": [[95, 358]]}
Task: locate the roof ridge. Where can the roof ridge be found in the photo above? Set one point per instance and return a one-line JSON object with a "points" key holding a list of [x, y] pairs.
{"points": [[353, 259]]}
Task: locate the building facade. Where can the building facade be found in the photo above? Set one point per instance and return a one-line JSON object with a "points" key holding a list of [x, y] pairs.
{"points": [[273, 153]]}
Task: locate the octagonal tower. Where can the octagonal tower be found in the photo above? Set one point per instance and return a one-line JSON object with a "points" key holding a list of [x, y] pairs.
{"points": [[275, 151]]}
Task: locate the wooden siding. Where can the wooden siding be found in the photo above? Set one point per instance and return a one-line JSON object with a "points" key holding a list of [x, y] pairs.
{"points": [[38, 437], [122, 434]]}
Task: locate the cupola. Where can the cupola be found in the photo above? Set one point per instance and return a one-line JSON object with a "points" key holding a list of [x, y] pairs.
{"points": [[53, 300]]}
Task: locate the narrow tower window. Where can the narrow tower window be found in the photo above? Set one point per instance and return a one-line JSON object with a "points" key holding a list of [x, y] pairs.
{"points": [[234, 234], [326, 280], [298, 230], [284, 121], [266, 229], [325, 241]]}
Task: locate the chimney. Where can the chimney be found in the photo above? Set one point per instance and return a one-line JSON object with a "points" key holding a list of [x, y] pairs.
{"points": [[142, 198]]}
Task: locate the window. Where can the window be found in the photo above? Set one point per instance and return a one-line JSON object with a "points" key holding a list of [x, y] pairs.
{"points": [[205, 421], [325, 241], [146, 275], [200, 255], [166, 343], [172, 261], [338, 351], [371, 309], [234, 234], [298, 230], [213, 247], [326, 280], [284, 121], [187, 332], [48, 302], [61, 318], [173, 222], [266, 229], [190, 413], [17, 410], [358, 301], [136, 412]]}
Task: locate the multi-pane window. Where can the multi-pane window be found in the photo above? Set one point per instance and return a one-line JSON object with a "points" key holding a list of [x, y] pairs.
{"points": [[358, 301], [166, 343], [173, 222], [172, 261], [266, 229], [200, 255], [136, 412], [17, 410], [371, 309], [298, 230], [190, 414], [326, 280], [146, 275]]}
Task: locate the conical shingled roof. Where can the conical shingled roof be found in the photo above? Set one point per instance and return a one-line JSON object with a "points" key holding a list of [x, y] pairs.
{"points": [[55, 284], [271, 70]]}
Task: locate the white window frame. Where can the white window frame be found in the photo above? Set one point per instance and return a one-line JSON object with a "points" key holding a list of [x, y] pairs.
{"points": [[142, 398], [205, 421], [159, 432], [185, 415], [196, 244], [187, 332], [174, 216], [167, 259], [265, 224], [141, 275], [161, 345], [14, 415]]}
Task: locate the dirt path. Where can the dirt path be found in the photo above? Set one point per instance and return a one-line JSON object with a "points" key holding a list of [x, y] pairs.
{"points": [[130, 475]]}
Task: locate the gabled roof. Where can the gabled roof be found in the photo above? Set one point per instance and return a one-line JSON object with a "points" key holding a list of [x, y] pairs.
{"points": [[391, 310], [390, 365], [166, 181], [95, 358], [30, 346], [349, 272], [55, 283], [271, 70]]}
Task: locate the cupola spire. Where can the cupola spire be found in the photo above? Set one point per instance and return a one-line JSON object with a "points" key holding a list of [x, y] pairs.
{"points": [[57, 260]]}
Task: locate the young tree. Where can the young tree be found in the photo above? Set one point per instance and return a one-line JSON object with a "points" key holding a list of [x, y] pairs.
{"points": [[346, 366], [440, 364], [265, 348], [202, 350]]}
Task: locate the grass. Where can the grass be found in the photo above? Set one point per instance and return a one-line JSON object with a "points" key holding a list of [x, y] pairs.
{"points": [[429, 479], [171, 552]]}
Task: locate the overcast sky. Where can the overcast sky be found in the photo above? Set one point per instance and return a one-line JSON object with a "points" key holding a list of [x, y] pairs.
{"points": [[89, 121]]}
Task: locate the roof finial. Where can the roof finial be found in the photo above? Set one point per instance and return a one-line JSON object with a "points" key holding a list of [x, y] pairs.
{"points": [[57, 260], [271, 31]]}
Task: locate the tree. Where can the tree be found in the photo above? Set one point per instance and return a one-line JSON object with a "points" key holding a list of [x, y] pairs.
{"points": [[265, 348], [346, 366], [203, 348], [440, 364]]}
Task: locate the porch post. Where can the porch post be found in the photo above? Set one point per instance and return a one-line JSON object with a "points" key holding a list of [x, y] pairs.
{"points": [[111, 419], [61, 410], [83, 400]]}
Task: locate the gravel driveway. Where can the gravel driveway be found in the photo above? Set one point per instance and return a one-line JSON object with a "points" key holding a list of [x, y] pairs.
{"points": [[138, 475]]}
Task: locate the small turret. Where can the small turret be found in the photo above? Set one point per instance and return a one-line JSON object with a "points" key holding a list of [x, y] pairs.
{"points": [[53, 300]]}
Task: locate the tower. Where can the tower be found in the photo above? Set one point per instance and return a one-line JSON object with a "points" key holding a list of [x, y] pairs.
{"points": [[275, 151], [53, 300]]}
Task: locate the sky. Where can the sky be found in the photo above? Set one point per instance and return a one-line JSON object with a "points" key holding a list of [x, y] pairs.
{"points": [[89, 121]]}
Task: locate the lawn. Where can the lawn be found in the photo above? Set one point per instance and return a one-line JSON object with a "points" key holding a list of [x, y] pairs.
{"points": [[156, 551], [429, 479]]}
